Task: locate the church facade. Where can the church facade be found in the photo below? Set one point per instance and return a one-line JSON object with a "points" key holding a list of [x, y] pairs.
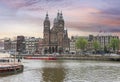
{"points": [[55, 38]]}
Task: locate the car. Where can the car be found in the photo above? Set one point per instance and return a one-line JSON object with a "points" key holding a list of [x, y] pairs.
{"points": [[114, 55], [56, 54]]}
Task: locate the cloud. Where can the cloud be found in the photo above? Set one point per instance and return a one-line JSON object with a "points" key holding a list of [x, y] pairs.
{"points": [[115, 30], [80, 15], [92, 20], [21, 27], [19, 3], [27, 3]]}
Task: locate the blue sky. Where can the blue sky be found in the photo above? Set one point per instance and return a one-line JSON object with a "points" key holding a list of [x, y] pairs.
{"points": [[82, 17]]}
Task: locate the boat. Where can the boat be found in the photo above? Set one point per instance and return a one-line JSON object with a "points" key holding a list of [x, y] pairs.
{"points": [[40, 58], [7, 67]]}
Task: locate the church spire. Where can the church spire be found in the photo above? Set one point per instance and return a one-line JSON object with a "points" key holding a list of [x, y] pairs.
{"points": [[61, 13], [58, 15], [47, 13], [47, 18], [61, 16], [47, 21]]}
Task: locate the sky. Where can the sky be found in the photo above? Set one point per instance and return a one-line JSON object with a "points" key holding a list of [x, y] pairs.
{"points": [[82, 17]]}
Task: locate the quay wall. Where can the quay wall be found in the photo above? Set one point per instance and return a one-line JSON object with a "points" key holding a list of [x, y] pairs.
{"points": [[98, 58], [79, 57]]}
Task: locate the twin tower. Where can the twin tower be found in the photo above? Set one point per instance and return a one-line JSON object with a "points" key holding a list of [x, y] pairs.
{"points": [[56, 37]]}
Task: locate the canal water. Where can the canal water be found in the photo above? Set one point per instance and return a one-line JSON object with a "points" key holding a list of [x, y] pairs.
{"points": [[66, 71]]}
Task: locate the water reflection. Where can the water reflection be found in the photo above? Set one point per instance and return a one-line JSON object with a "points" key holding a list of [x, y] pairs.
{"points": [[53, 71], [53, 74], [67, 71]]}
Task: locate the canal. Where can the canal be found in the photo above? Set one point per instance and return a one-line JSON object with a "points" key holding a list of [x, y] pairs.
{"points": [[66, 71]]}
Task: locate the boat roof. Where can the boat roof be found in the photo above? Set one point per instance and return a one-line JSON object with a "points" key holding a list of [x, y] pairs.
{"points": [[3, 65], [4, 55]]}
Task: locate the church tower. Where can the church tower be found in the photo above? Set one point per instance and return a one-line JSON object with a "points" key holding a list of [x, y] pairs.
{"points": [[46, 30], [61, 21], [60, 27]]}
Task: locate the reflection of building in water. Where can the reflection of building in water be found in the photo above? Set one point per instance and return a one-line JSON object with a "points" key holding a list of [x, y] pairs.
{"points": [[53, 74]]}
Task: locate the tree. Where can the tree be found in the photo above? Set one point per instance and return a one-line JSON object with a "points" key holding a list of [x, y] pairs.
{"points": [[114, 43], [96, 45], [105, 49], [81, 43]]}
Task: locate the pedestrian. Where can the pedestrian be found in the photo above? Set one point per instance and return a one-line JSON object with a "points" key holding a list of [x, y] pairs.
{"points": [[19, 60]]}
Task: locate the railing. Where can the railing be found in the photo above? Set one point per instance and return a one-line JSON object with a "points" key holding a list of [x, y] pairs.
{"points": [[4, 64]]}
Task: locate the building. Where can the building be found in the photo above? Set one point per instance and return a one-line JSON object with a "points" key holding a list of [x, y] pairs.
{"points": [[55, 38], [72, 45], [10, 46], [104, 40], [32, 45], [90, 43], [24, 45], [73, 40], [20, 47], [1, 44], [13, 46], [7, 45], [40, 48]]}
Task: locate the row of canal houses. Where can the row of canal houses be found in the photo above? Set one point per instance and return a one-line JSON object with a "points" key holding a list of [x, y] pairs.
{"points": [[32, 45], [103, 38], [23, 45]]}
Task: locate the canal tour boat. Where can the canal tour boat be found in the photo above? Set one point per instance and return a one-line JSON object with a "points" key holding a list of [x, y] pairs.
{"points": [[7, 67], [48, 57], [40, 58]]}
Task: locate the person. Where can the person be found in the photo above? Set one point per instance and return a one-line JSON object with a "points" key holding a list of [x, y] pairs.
{"points": [[8, 60], [19, 60]]}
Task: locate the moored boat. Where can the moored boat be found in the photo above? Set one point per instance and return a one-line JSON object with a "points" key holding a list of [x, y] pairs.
{"points": [[40, 58], [9, 66], [8, 69]]}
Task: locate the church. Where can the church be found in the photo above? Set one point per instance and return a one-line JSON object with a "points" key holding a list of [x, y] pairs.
{"points": [[55, 38]]}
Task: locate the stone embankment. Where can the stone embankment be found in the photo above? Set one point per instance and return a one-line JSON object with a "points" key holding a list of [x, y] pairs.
{"points": [[92, 57], [79, 57]]}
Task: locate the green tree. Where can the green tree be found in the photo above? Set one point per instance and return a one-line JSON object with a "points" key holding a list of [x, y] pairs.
{"points": [[105, 49], [96, 45], [81, 43], [114, 43]]}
